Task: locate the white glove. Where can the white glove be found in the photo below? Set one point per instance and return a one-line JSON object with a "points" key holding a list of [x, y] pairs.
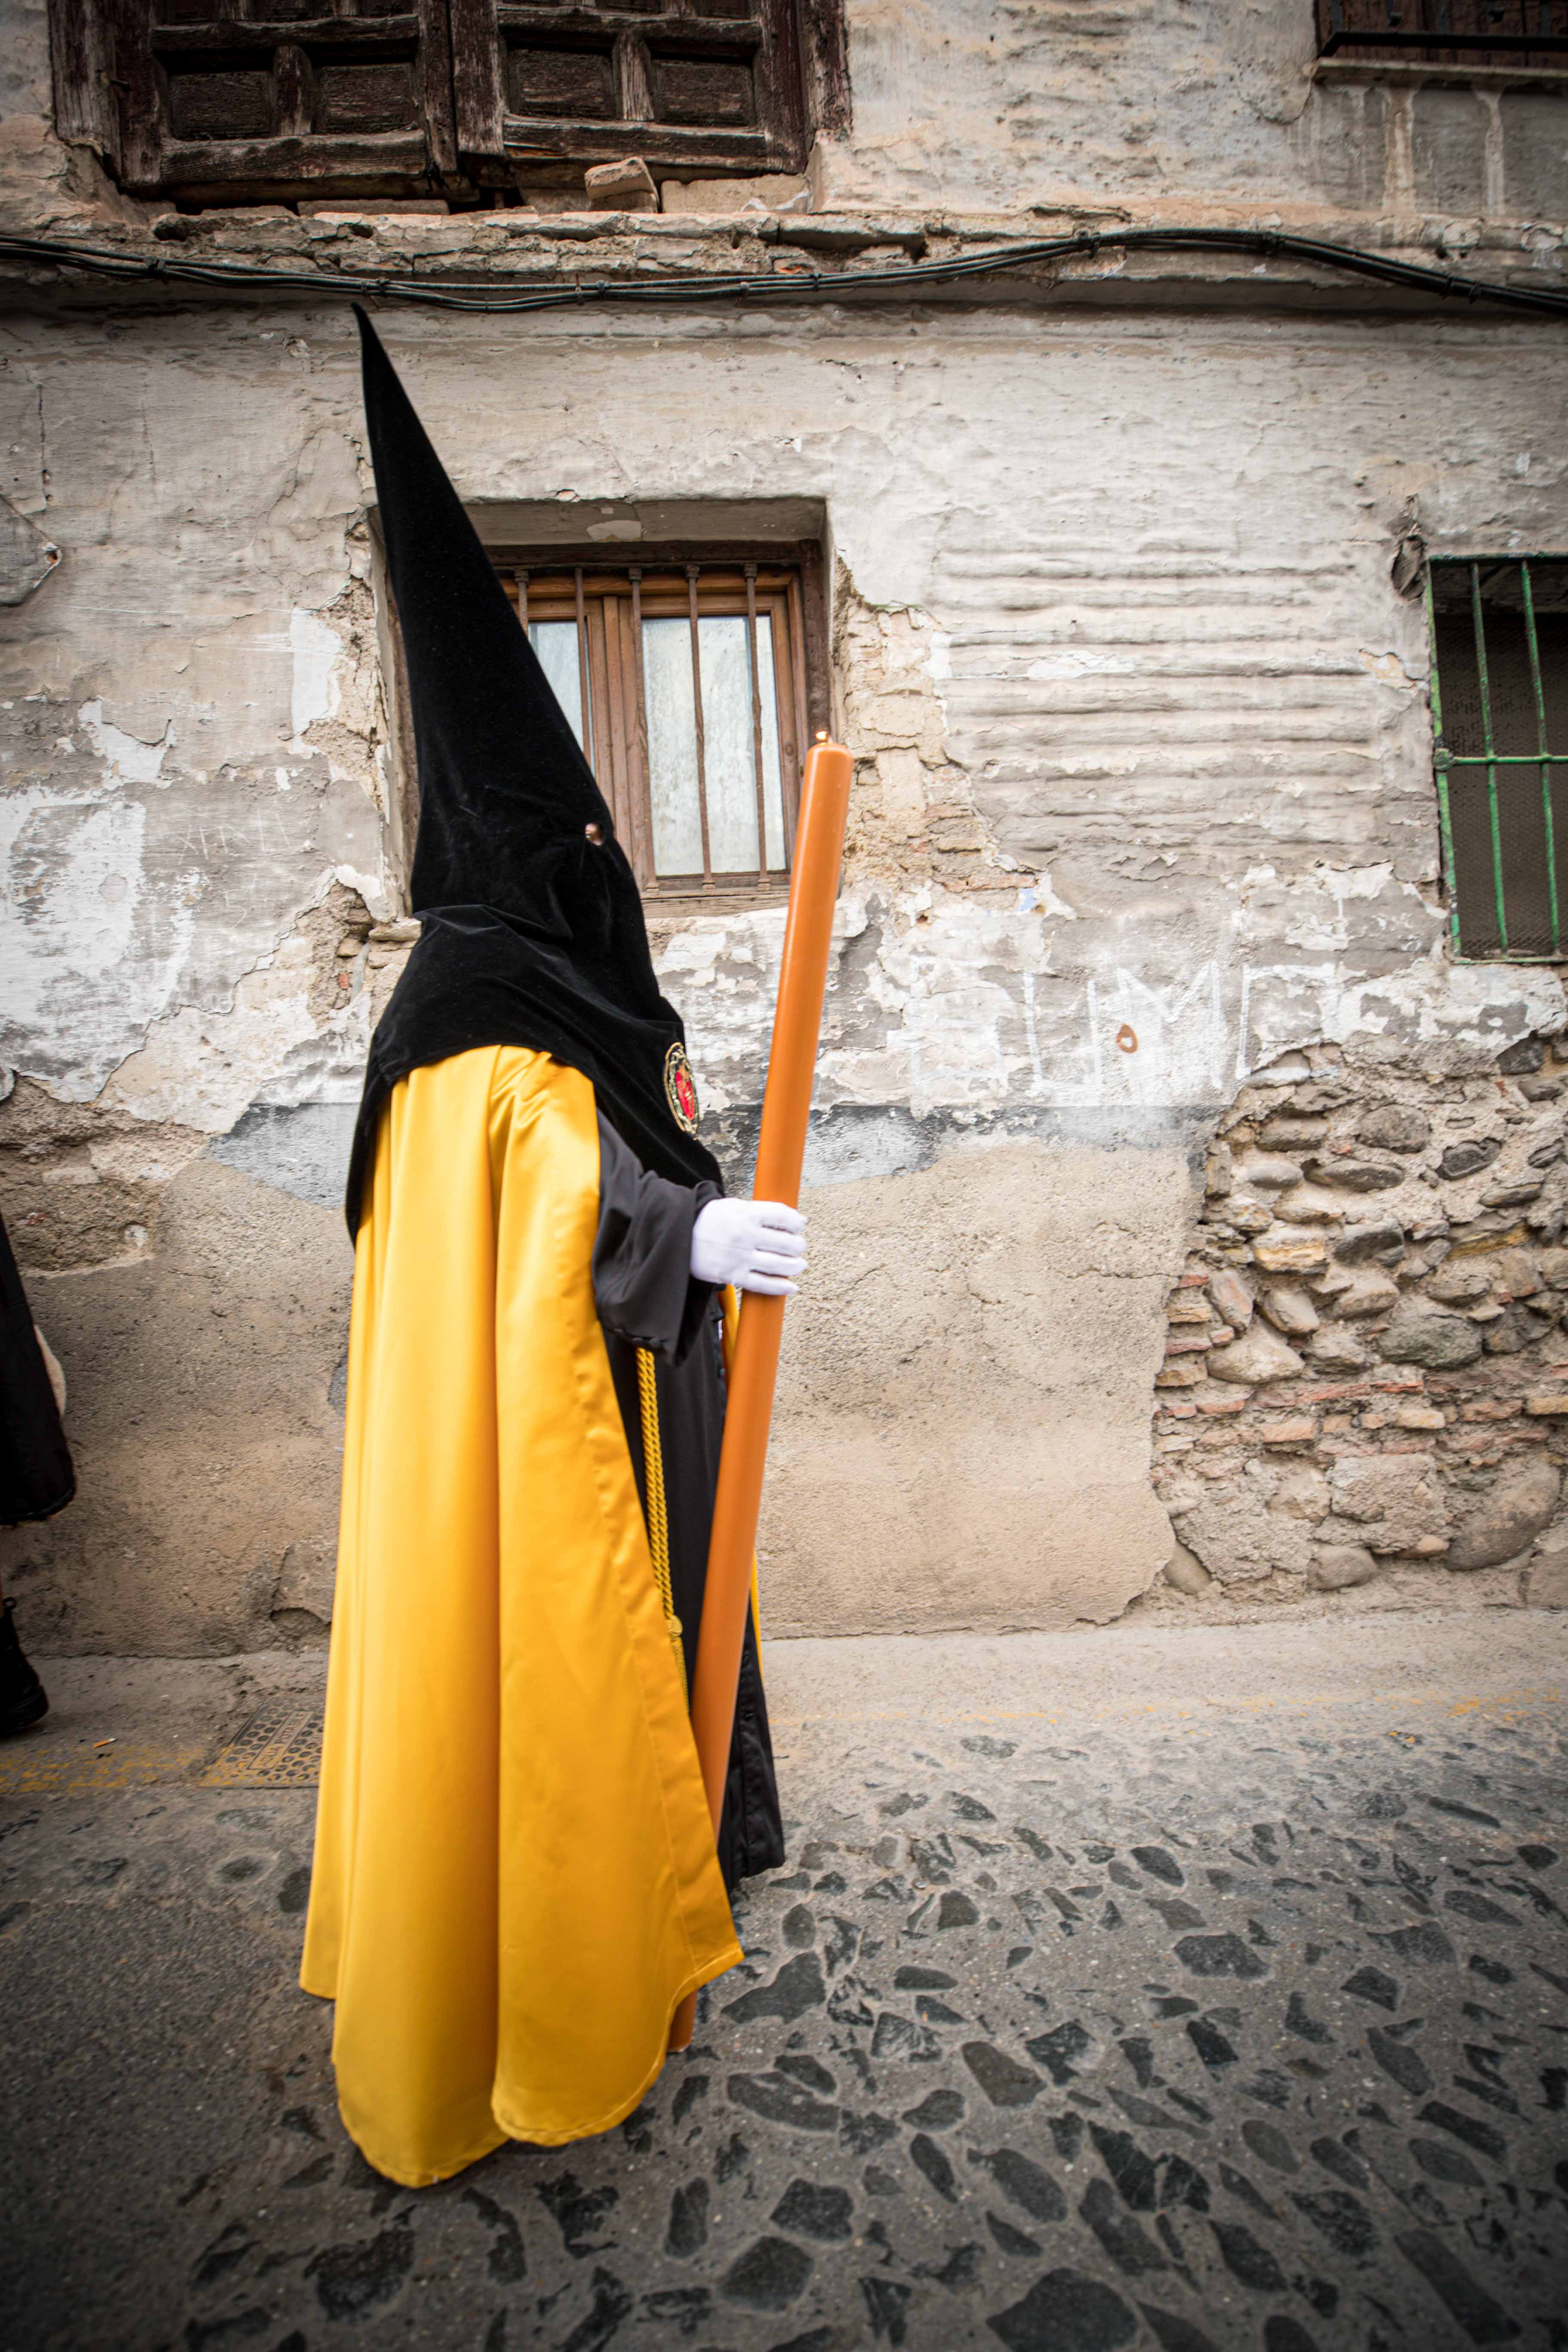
{"points": [[756, 1244]]}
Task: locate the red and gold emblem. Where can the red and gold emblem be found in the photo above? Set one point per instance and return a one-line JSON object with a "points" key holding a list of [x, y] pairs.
{"points": [[680, 1089]]}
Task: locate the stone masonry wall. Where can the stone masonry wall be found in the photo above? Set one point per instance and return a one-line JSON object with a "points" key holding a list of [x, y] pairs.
{"points": [[1365, 1386]]}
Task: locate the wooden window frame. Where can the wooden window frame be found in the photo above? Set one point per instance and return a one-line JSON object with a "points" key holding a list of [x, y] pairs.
{"points": [[113, 61], [781, 585]]}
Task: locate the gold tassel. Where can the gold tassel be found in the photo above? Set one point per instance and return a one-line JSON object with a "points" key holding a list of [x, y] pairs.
{"points": [[657, 1515]]}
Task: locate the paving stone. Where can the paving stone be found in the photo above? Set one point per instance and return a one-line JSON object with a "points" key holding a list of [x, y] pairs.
{"points": [[1172, 2333], [1469, 2128], [1283, 2333], [688, 2231], [1342, 2219], [1210, 2044], [1482, 2320], [1132, 2170], [1066, 2311], [1118, 2127], [1219, 1955], [1266, 2140], [928, 2158], [1026, 2183], [886, 2304], [1124, 2240], [1004, 2083], [1010, 2239], [1446, 2163], [1246, 2259], [797, 1987], [769, 2275]]}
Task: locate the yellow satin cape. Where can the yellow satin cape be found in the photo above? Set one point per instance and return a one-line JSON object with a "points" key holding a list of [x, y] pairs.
{"points": [[515, 1880]]}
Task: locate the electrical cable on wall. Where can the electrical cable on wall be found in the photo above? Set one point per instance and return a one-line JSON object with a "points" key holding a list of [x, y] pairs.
{"points": [[812, 284]]}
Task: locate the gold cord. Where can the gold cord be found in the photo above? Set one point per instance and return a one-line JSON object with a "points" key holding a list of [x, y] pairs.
{"points": [[657, 1515], [732, 1333]]}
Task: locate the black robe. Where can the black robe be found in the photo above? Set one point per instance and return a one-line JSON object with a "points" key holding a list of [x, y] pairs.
{"points": [[36, 1476], [647, 1298]]}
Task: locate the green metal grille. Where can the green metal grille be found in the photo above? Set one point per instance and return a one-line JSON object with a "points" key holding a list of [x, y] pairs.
{"points": [[1499, 713]]}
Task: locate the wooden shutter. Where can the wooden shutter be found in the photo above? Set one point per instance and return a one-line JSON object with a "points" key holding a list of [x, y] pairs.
{"points": [[706, 86], [240, 99]]}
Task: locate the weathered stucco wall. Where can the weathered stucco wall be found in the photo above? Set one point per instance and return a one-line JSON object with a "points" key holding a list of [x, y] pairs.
{"points": [[1059, 104], [1143, 801], [1177, 109]]}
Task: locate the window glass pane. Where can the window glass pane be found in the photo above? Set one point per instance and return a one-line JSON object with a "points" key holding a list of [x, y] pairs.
{"points": [[555, 643], [731, 762], [672, 747]]}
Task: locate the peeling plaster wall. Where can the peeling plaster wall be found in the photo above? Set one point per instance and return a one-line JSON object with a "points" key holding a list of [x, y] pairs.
{"points": [[1065, 104], [1143, 800], [189, 718], [1174, 109]]}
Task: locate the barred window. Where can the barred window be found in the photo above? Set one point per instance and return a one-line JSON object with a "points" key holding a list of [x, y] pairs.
{"points": [[685, 682], [1500, 715]]}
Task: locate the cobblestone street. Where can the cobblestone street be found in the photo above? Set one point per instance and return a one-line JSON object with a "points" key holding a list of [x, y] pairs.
{"points": [[1155, 1988]]}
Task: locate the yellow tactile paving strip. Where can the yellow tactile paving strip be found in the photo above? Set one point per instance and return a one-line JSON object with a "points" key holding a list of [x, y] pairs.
{"points": [[38, 1766], [277, 1747]]}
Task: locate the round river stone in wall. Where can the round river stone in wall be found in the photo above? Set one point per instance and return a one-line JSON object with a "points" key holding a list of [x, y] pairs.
{"points": [[1354, 1175], [1510, 1518], [1395, 1127], [1359, 1244], [1336, 1567], [1291, 1311], [1292, 1249], [1231, 1298], [1260, 1355], [1467, 1159], [1437, 1343]]}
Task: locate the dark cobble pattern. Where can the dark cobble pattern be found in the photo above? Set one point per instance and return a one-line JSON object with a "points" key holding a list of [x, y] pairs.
{"points": [[1233, 2037]]}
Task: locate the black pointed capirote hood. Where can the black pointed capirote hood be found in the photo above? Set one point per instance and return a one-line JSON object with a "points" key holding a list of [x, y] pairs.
{"points": [[532, 922], [501, 777]]}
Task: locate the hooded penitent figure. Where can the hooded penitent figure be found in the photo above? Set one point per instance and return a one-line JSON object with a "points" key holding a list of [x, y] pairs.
{"points": [[516, 1879]]}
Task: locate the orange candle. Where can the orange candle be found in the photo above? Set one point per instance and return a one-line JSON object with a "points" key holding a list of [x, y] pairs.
{"points": [[781, 1152]]}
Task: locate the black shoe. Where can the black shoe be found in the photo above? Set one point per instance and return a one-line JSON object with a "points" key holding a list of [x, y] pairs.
{"points": [[23, 1700]]}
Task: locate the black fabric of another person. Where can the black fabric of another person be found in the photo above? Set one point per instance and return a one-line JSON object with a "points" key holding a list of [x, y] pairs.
{"points": [[37, 1476], [647, 1298]]}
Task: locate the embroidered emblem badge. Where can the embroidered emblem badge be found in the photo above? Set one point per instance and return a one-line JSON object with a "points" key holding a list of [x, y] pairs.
{"points": [[680, 1089]]}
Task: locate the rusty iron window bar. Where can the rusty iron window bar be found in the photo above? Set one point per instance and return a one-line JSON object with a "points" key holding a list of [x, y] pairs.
{"points": [[684, 681], [1499, 634], [1446, 32]]}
